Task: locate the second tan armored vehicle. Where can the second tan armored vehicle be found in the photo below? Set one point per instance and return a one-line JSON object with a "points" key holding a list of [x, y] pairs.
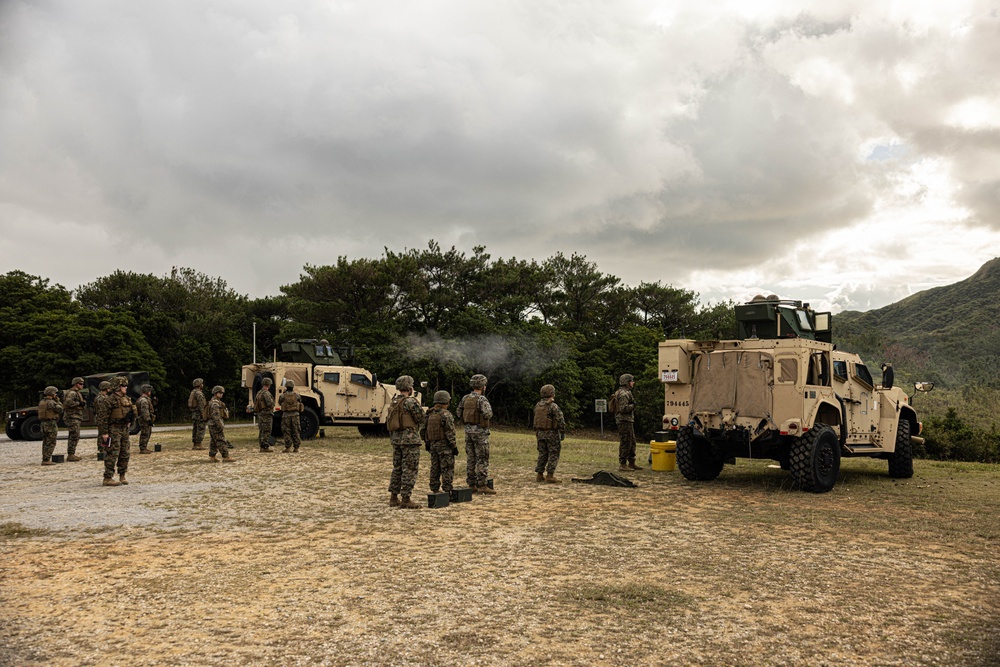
{"points": [[333, 394], [782, 391]]}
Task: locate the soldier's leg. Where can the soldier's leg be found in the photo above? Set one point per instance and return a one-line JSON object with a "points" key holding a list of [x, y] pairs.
{"points": [[198, 433], [223, 443], [49, 430], [630, 454], [263, 432], [482, 461], [296, 432], [395, 480], [543, 455], [124, 451], [555, 448], [411, 462], [213, 440], [470, 460], [286, 430], [144, 432], [111, 455], [74, 436], [624, 428], [435, 479], [447, 464]]}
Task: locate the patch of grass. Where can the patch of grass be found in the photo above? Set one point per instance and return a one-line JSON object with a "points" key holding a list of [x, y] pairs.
{"points": [[13, 529], [633, 596]]}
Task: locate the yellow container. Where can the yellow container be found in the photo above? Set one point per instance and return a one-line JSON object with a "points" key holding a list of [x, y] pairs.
{"points": [[664, 455]]}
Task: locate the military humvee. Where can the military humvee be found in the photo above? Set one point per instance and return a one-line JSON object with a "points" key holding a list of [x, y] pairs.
{"points": [[333, 394], [782, 391], [23, 424]]}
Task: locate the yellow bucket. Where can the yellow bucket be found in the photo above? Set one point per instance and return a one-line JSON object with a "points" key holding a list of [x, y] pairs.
{"points": [[664, 454]]}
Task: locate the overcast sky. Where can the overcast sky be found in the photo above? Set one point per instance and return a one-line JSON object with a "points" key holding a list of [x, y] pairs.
{"points": [[847, 153]]}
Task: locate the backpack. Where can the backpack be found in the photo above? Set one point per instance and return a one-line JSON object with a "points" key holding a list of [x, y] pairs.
{"points": [[613, 403]]}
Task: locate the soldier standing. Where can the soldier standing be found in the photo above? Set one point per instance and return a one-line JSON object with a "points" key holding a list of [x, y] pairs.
{"points": [[197, 403], [475, 412], [49, 409], [263, 407], [625, 418], [290, 405], [73, 404], [438, 433], [549, 428], [144, 408], [102, 408], [120, 418], [404, 419], [217, 414]]}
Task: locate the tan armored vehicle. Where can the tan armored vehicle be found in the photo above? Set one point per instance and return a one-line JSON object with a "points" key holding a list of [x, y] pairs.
{"points": [[782, 391], [332, 394]]}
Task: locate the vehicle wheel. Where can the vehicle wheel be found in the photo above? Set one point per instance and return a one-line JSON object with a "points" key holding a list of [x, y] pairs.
{"points": [[308, 424], [31, 428], [695, 459], [901, 460], [815, 459], [136, 427], [13, 432], [373, 431]]}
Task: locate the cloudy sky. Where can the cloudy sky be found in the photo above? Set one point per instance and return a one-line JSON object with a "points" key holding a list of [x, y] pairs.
{"points": [[845, 152]]}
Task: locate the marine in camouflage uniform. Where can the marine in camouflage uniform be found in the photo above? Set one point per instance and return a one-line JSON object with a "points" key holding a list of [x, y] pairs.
{"points": [[120, 417], [625, 418], [197, 403], [290, 404], [217, 414], [404, 420], [49, 410], [263, 407], [550, 425], [438, 434], [146, 413], [475, 411], [102, 408], [73, 404]]}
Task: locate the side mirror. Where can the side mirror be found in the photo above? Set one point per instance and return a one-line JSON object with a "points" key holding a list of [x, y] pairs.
{"points": [[923, 386], [423, 385]]}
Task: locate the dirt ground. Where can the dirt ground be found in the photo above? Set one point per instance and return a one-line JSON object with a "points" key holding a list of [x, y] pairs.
{"points": [[296, 559]]}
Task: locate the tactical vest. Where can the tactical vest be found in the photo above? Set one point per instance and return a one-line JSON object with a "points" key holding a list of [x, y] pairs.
{"points": [[223, 410], [260, 405], [149, 406], [543, 420], [435, 426], [192, 401], [398, 418], [73, 403], [289, 402], [120, 407], [46, 409], [471, 413]]}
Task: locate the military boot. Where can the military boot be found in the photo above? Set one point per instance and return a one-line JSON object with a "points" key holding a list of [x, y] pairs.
{"points": [[198, 447], [286, 450], [406, 504], [145, 450], [487, 490], [213, 459], [393, 500], [121, 479], [539, 477], [633, 466], [48, 462], [109, 481], [228, 459], [551, 478], [73, 457], [623, 467]]}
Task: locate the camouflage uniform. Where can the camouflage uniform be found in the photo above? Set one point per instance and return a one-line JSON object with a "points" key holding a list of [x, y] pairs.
{"points": [[549, 426], [197, 403], [405, 445], [121, 412], [291, 405], [49, 410], [102, 409], [264, 410], [73, 403], [144, 408], [625, 418], [444, 449], [477, 437], [217, 414]]}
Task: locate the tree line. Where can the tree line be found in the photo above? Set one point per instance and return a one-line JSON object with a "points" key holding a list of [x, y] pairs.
{"points": [[437, 314]]}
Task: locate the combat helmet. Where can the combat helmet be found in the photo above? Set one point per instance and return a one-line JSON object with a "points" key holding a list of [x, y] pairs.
{"points": [[51, 391], [146, 389], [76, 381], [289, 384], [625, 379], [478, 381], [547, 391], [198, 382], [442, 397], [119, 382], [218, 389], [267, 382], [104, 386], [404, 383]]}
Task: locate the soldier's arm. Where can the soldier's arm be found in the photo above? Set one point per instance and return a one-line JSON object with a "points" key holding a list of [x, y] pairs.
{"points": [[448, 424], [416, 411], [485, 407], [560, 419], [458, 410], [59, 407], [627, 406]]}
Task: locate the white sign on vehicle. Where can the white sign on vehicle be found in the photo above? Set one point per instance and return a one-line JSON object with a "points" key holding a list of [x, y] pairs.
{"points": [[600, 405], [668, 376]]}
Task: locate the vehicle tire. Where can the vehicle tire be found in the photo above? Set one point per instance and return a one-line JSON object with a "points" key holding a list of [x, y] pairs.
{"points": [[815, 459], [695, 458], [308, 424], [12, 430], [31, 428], [135, 428], [901, 460], [373, 431]]}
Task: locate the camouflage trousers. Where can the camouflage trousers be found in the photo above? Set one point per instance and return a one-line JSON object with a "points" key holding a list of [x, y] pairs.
{"points": [[626, 443], [217, 441], [119, 448], [197, 428], [442, 466], [477, 457], [264, 424], [145, 430], [405, 462], [291, 430], [549, 447], [50, 428], [73, 424]]}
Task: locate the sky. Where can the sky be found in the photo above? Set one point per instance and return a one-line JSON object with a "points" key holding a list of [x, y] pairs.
{"points": [[842, 152]]}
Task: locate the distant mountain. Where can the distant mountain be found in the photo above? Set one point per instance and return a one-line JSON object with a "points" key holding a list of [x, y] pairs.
{"points": [[947, 334]]}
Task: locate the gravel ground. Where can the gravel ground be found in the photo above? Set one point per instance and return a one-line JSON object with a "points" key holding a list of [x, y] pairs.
{"points": [[297, 560]]}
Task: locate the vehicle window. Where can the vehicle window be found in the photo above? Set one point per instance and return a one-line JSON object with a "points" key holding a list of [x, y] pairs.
{"points": [[819, 373], [803, 320], [861, 371], [363, 380], [331, 377], [788, 370], [840, 370]]}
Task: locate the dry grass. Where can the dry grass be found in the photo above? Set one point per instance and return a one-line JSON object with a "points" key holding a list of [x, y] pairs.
{"points": [[297, 560]]}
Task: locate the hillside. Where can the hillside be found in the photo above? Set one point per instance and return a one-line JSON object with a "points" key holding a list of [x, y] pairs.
{"points": [[949, 334]]}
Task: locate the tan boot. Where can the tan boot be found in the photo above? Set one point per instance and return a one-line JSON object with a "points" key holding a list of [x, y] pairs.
{"points": [[551, 478], [633, 466], [406, 504], [47, 462], [198, 447], [73, 457], [393, 500], [487, 490], [228, 459], [286, 450], [109, 481], [122, 480], [146, 451], [539, 477], [623, 467], [213, 459]]}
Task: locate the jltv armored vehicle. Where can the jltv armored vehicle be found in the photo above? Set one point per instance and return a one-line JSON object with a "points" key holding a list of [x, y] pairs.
{"points": [[332, 393], [782, 391], [23, 424]]}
